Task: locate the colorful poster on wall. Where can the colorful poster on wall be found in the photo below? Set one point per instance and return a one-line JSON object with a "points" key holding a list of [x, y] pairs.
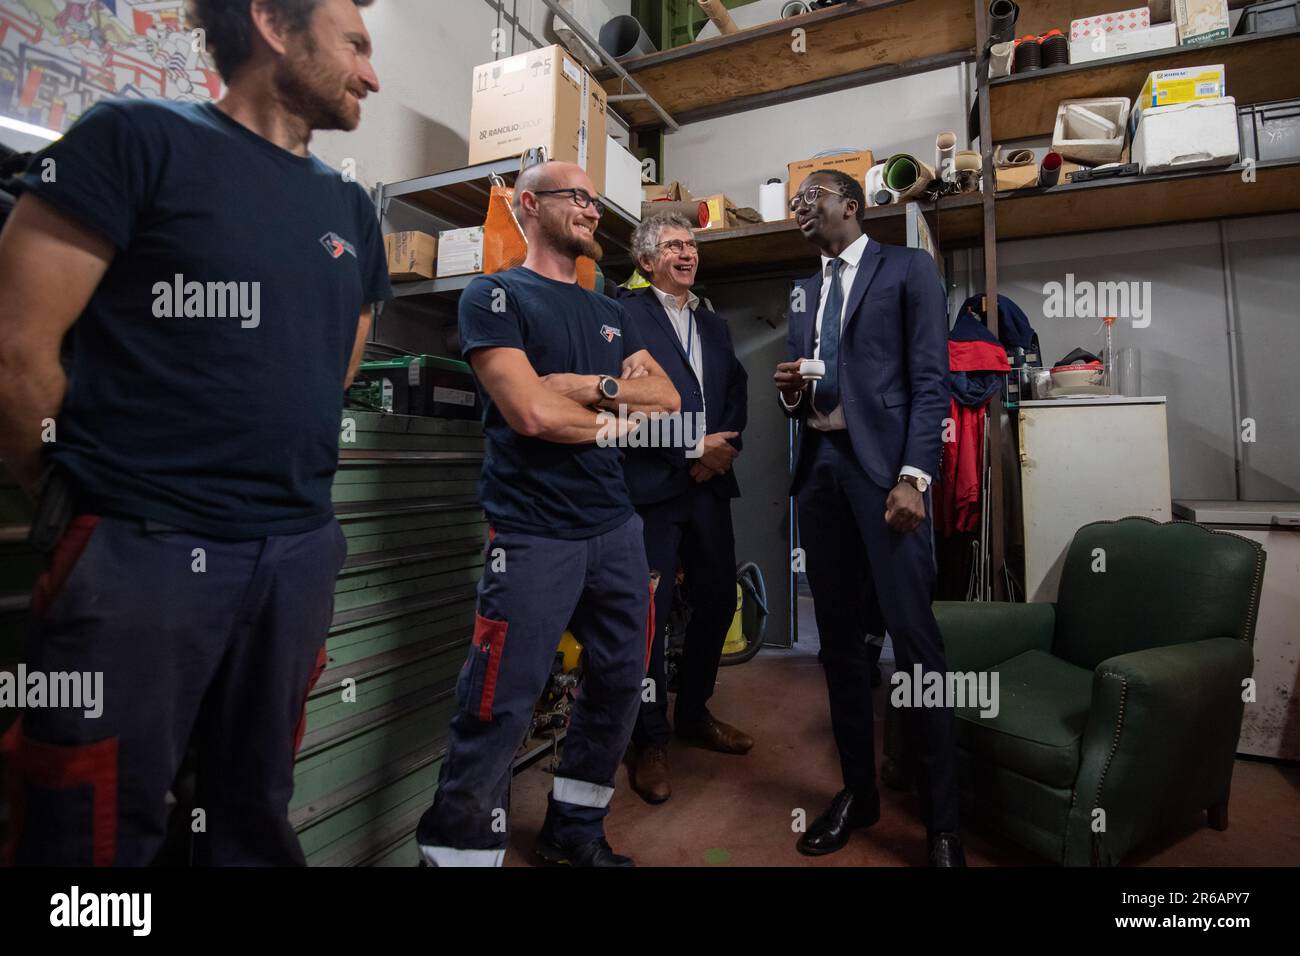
{"points": [[60, 57]]}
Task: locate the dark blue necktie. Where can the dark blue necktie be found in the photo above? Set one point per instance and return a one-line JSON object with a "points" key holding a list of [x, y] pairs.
{"points": [[827, 394]]}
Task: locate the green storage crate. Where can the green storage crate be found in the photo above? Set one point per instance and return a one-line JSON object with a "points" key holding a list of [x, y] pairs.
{"points": [[426, 385]]}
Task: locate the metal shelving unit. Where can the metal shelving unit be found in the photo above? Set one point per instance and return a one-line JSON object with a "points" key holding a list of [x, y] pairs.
{"points": [[458, 198]]}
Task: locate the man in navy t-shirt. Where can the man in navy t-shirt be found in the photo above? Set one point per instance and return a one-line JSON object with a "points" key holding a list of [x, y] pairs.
{"points": [[565, 548], [215, 283]]}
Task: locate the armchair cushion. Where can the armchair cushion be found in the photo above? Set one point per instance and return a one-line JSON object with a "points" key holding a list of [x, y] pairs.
{"points": [[981, 635], [1042, 709]]}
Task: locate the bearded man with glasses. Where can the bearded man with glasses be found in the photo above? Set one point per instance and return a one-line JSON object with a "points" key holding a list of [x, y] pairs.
{"points": [[564, 542]]}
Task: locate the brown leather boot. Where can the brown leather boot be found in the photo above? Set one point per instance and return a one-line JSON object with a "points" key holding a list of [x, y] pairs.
{"points": [[715, 735], [648, 773]]}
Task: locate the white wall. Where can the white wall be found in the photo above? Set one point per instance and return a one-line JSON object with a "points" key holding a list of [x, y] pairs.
{"points": [[734, 154]]}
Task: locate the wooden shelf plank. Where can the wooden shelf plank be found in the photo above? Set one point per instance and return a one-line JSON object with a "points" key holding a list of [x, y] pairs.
{"points": [[1039, 16], [779, 246], [1257, 69], [1148, 201], [1100, 205], [846, 45]]}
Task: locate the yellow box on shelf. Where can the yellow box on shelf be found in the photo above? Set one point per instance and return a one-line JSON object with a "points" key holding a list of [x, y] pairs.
{"points": [[1183, 85]]}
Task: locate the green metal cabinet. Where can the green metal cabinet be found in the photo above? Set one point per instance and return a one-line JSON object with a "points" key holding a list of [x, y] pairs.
{"points": [[406, 497]]}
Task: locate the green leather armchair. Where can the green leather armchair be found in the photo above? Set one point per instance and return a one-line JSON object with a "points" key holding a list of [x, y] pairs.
{"points": [[1120, 705]]}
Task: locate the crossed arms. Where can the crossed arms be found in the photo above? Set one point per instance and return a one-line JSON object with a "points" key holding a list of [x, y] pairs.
{"points": [[561, 407]]}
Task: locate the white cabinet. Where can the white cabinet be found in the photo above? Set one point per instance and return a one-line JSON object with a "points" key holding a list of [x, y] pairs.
{"points": [[1270, 725], [1082, 460]]}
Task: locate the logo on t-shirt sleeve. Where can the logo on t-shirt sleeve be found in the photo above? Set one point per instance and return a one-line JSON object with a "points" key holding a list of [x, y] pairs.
{"points": [[336, 245], [610, 332]]}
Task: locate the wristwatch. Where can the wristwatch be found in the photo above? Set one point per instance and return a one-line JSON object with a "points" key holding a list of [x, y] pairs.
{"points": [[608, 386], [916, 481]]}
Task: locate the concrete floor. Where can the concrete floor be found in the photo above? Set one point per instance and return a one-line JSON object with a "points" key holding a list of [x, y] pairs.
{"points": [[738, 811]]}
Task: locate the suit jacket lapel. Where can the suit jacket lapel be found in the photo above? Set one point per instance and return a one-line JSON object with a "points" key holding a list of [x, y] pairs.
{"points": [[659, 315], [867, 268]]}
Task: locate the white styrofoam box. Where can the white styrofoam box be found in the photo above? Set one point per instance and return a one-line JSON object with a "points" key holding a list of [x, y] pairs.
{"points": [[1121, 21], [623, 179], [1159, 37], [1077, 145], [1083, 123], [1187, 135]]}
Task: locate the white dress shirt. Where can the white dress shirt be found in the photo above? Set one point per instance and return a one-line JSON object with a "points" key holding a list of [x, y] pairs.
{"points": [[834, 421], [682, 318]]}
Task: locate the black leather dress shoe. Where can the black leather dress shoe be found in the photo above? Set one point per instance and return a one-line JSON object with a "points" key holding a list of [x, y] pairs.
{"points": [[945, 850], [595, 853], [850, 810]]}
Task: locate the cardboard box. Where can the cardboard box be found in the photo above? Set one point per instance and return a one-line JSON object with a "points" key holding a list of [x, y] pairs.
{"points": [[1119, 22], [622, 178], [411, 255], [1026, 177], [1192, 135], [1201, 21], [1159, 37], [669, 192], [460, 251], [855, 164], [1167, 87], [540, 98], [1016, 177], [722, 211]]}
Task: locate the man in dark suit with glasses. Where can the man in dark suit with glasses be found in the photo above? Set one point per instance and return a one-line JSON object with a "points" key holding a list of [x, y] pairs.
{"points": [[875, 317]]}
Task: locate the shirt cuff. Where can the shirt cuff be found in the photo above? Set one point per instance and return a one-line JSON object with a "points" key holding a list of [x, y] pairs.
{"points": [[915, 473], [786, 405]]}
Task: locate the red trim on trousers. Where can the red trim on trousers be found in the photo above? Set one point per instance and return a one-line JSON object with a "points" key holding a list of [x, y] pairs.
{"points": [[650, 627], [491, 635], [66, 553], [63, 767], [322, 659]]}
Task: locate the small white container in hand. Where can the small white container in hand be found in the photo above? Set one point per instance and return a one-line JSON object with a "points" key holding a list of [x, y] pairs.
{"points": [[812, 369]]}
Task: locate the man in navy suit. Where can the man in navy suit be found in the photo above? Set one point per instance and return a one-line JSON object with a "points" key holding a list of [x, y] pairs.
{"points": [[684, 497], [877, 317]]}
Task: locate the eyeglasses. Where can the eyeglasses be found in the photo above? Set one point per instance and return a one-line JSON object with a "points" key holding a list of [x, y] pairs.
{"points": [[810, 196], [581, 198], [677, 246]]}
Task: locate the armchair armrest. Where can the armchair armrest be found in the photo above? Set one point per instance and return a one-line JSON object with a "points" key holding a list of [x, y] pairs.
{"points": [[1158, 744], [981, 635]]}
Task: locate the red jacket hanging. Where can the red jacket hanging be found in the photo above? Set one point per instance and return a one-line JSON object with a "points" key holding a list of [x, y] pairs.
{"points": [[958, 506]]}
